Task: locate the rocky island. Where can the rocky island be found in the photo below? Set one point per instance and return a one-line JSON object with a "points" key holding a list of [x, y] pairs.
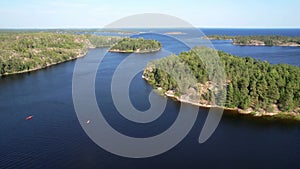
{"points": [[258, 40], [136, 45], [252, 87]]}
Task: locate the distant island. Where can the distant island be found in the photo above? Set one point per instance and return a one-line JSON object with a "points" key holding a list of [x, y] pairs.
{"points": [[24, 52], [174, 33], [136, 45], [258, 40], [253, 87]]}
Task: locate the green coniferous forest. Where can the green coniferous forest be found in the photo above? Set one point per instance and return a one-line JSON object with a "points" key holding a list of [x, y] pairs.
{"points": [[259, 40], [138, 45], [250, 83], [21, 52]]}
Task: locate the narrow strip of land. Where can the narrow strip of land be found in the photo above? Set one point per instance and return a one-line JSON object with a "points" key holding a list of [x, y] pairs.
{"points": [[258, 40]]}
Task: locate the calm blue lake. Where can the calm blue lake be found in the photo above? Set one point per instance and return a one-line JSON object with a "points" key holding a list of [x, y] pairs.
{"points": [[55, 139]]}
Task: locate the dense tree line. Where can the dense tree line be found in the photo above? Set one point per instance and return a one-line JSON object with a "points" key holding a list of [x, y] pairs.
{"points": [[262, 40], [250, 83], [26, 51], [102, 41], [139, 45]]}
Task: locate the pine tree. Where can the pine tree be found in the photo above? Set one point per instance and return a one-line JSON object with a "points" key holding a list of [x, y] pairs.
{"points": [[230, 96]]}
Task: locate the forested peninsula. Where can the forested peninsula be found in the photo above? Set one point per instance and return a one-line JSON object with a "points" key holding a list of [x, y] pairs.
{"points": [[24, 52], [258, 40], [253, 87], [136, 45]]}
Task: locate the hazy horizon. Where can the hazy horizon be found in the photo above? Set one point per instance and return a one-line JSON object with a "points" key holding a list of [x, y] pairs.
{"points": [[96, 14], [91, 28]]}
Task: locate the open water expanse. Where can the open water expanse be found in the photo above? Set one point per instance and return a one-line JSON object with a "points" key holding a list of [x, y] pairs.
{"points": [[55, 139]]}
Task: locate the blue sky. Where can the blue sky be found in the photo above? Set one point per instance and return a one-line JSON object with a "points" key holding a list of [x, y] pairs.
{"points": [[98, 13]]}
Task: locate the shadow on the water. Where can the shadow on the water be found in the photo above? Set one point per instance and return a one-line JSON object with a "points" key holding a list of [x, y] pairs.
{"points": [[260, 121]]}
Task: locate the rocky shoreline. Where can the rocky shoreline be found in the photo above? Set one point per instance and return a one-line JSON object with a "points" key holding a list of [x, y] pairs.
{"points": [[248, 112], [293, 116], [260, 43]]}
